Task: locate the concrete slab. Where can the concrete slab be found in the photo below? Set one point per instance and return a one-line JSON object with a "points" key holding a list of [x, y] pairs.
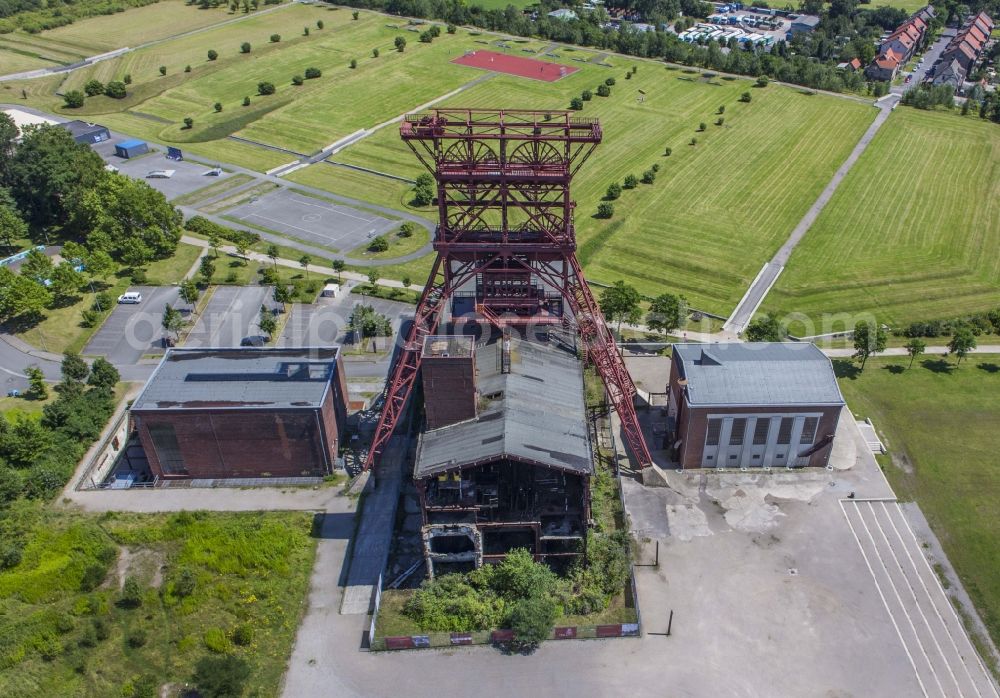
{"points": [[133, 330], [231, 315], [188, 176], [313, 220]]}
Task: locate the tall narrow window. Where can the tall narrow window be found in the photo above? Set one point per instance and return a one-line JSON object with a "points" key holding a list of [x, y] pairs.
{"points": [[760, 430], [785, 430], [736, 435], [809, 430], [714, 429]]}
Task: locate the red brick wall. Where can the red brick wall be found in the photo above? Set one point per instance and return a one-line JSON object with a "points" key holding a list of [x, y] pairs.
{"points": [[244, 443]]}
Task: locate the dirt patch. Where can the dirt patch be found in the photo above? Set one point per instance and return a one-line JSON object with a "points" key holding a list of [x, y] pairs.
{"points": [[901, 461], [143, 563]]}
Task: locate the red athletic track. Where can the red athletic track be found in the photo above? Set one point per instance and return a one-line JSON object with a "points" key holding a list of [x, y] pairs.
{"points": [[515, 65]]}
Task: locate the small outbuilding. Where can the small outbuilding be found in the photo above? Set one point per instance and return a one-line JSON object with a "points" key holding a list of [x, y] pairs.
{"points": [[131, 148], [87, 133], [752, 405]]}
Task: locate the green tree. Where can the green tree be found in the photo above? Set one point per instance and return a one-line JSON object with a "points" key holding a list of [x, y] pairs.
{"points": [[373, 278], [962, 342], [319, 24], [275, 38], [163, 70], [74, 369], [131, 212], [73, 99], [304, 262], [620, 302], [374, 53], [915, 347], [603, 91], [576, 104], [366, 322], [93, 87], [400, 44], [99, 265], [378, 244], [217, 106], [221, 676], [245, 47], [532, 620], [172, 321], [21, 295], [298, 80], [649, 176], [103, 374], [265, 88], [12, 227], [614, 191], [312, 73], [37, 266], [667, 313], [746, 97], [188, 122], [27, 439], [272, 252], [587, 95], [189, 292], [764, 328], [869, 338], [994, 317], [668, 151], [212, 54], [354, 15], [206, 269], [116, 89], [246, 101], [354, 63], [282, 295], [605, 209], [762, 81], [631, 182], [66, 283], [242, 245], [423, 190], [407, 282], [266, 322], [131, 593], [8, 140], [36, 380], [338, 266], [406, 229]]}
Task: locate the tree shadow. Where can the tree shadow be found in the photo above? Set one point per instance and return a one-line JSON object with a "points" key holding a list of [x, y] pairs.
{"points": [[937, 365], [895, 369], [845, 368], [989, 368]]}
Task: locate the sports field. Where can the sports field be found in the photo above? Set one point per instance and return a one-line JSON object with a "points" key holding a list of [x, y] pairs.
{"points": [[911, 233], [940, 425]]}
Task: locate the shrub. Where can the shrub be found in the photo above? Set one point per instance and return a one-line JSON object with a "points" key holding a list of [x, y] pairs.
{"points": [[400, 44], [221, 677], [374, 53], [127, 79], [406, 229], [668, 151], [265, 88], [451, 29], [145, 687], [648, 177], [614, 191], [163, 70], [761, 81], [312, 73], [187, 69], [746, 97], [138, 276], [426, 37], [216, 641], [631, 182], [185, 583], [136, 638], [88, 638], [354, 63], [92, 577], [378, 244], [245, 47], [218, 106], [609, 82], [131, 593], [603, 91], [720, 121], [297, 80], [655, 167], [694, 141], [319, 24], [702, 126], [531, 620], [188, 122], [246, 101], [73, 99], [722, 109], [243, 634], [101, 629], [354, 15], [605, 209], [115, 89], [275, 38], [212, 54], [94, 88], [576, 103], [305, 31], [587, 95]]}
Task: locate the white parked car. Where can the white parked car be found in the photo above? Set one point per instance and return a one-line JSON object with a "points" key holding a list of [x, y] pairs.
{"points": [[130, 297], [160, 174]]}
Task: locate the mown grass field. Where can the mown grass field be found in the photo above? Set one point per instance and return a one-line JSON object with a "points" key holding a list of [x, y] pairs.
{"points": [[912, 231], [15, 61], [63, 631], [717, 210], [940, 422]]}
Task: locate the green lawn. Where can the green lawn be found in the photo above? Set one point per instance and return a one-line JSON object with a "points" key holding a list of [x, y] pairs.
{"points": [[15, 60], [909, 232], [61, 636], [940, 425]]}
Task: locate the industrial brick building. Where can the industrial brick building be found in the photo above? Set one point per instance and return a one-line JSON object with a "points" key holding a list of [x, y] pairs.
{"points": [[505, 460], [241, 413], [752, 405]]}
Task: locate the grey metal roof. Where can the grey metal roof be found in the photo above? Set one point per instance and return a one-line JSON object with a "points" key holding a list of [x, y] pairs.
{"points": [[539, 415], [79, 128], [247, 377], [757, 373]]}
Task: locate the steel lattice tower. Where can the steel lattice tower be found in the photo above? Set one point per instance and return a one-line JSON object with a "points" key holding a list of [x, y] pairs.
{"points": [[505, 226]]}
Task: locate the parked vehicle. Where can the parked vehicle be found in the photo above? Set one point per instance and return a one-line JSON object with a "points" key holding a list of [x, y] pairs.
{"points": [[130, 298]]}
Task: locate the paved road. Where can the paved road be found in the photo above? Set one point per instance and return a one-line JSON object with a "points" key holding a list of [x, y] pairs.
{"points": [[755, 295], [930, 58], [231, 315], [936, 644], [133, 330]]}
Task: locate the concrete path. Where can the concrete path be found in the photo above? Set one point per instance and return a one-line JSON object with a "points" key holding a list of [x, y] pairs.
{"points": [[901, 351], [741, 316]]}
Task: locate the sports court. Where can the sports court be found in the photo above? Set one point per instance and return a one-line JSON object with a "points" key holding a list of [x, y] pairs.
{"points": [[312, 220], [515, 65]]}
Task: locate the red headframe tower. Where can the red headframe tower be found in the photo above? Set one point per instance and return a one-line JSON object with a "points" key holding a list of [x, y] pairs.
{"points": [[505, 242]]}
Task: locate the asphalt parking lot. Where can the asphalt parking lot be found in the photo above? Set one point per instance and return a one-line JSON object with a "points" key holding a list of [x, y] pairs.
{"points": [[312, 220], [231, 315], [313, 324], [133, 330], [188, 176]]}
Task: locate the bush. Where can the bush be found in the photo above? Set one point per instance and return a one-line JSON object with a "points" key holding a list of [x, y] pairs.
{"points": [[400, 44], [378, 244], [354, 63], [586, 95], [319, 24], [605, 209], [532, 620], [426, 37], [187, 69], [275, 38], [94, 88], [603, 91], [694, 141], [746, 97], [221, 677], [702, 126], [614, 191], [216, 641], [90, 318], [297, 80], [576, 103], [720, 121], [451, 29], [212, 54], [374, 53], [163, 70], [73, 99], [609, 82], [406, 229], [245, 47], [115, 89], [631, 182], [131, 594], [243, 634], [185, 583], [648, 177], [668, 151], [761, 81], [138, 276], [305, 31], [188, 122], [265, 88], [218, 106], [136, 638], [92, 577], [127, 79], [312, 73], [246, 101]]}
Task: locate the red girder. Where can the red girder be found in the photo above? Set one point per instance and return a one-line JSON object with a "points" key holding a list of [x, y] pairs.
{"points": [[503, 180]]}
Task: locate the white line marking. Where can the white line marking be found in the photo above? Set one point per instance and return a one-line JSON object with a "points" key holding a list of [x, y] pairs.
{"points": [[885, 603]]}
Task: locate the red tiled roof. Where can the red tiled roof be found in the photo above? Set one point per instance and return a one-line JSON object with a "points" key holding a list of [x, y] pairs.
{"points": [[986, 18], [920, 24], [962, 47], [855, 63], [901, 37], [976, 33], [889, 60]]}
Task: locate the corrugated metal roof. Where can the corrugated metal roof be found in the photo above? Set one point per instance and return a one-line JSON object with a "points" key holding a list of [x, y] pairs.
{"points": [[757, 373], [537, 413], [247, 377]]}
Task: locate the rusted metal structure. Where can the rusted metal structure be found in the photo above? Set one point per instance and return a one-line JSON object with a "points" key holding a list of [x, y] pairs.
{"points": [[505, 242]]}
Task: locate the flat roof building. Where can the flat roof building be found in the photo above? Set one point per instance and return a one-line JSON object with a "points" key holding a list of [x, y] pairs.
{"points": [[752, 405], [87, 133], [246, 412]]}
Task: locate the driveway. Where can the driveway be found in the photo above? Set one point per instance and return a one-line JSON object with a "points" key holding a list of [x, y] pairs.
{"points": [[134, 330], [313, 324], [231, 315], [930, 58]]}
